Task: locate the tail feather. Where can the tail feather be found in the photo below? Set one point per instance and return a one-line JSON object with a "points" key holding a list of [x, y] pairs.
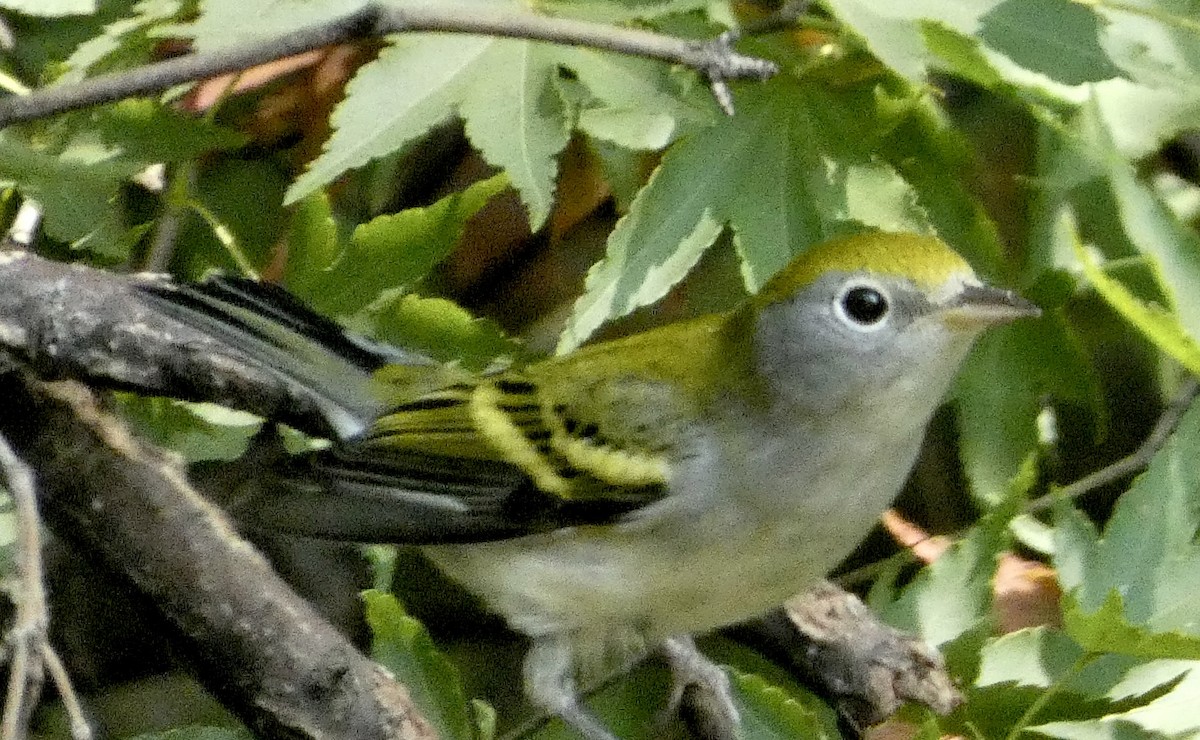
{"points": [[276, 330]]}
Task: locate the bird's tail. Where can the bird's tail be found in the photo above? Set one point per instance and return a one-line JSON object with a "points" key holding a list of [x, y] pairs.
{"points": [[272, 328]]}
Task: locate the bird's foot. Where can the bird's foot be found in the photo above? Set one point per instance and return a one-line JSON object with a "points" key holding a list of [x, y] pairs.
{"points": [[550, 685], [700, 690]]}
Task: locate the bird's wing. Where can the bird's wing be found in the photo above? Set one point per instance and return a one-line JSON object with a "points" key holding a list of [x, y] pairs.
{"points": [[449, 455], [485, 460]]}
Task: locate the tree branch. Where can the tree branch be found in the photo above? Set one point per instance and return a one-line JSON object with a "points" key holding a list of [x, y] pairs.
{"points": [[70, 321], [254, 643], [1132, 462], [714, 59]]}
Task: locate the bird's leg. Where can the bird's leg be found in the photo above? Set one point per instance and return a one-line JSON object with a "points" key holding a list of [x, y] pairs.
{"points": [[550, 685], [717, 714]]}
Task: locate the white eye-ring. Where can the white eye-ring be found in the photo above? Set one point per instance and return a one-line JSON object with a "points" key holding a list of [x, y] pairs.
{"points": [[863, 305]]}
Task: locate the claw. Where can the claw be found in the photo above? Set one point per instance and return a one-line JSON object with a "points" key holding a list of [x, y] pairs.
{"points": [[702, 686]]}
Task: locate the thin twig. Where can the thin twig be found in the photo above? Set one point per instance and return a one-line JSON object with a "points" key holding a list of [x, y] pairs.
{"points": [[713, 58], [31, 621], [1131, 463], [81, 729]]}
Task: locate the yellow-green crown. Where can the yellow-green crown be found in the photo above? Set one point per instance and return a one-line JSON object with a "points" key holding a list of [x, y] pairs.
{"points": [[925, 260]]}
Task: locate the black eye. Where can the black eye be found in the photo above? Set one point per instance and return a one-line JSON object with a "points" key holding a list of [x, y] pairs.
{"points": [[865, 305]]}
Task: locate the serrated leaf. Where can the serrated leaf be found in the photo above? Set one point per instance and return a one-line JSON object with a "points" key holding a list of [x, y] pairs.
{"points": [[440, 329], [1136, 589], [313, 247], [241, 199], [147, 132], [770, 712], [500, 87], [77, 190], [792, 168], [1037, 657], [124, 40], [1171, 715], [1108, 628], [1150, 226], [222, 23], [619, 11], [1157, 45], [1161, 327], [1100, 729], [960, 53], [403, 646], [952, 596], [389, 252]]}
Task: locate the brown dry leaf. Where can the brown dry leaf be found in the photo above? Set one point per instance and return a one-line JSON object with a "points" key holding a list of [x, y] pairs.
{"points": [[209, 92], [926, 547], [1027, 594]]}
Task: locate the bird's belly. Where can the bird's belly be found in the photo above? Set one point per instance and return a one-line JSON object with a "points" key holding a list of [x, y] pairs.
{"points": [[706, 562]]}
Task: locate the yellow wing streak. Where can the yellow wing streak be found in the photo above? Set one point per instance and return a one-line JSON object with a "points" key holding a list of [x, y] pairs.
{"points": [[618, 467], [498, 427]]}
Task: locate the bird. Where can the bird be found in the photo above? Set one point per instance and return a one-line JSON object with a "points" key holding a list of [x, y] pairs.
{"points": [[624, 497]]}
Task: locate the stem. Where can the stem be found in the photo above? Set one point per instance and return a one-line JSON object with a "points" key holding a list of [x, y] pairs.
{"points": [[1131, 463], [714, 58]]}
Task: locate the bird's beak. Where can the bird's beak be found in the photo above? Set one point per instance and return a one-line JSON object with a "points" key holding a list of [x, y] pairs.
{"points": [[977, 307]]}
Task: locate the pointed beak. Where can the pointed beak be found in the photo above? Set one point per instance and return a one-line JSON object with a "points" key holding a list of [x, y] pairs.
{"points": [[977, 307]]}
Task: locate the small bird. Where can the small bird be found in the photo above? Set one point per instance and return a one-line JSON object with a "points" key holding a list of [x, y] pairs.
{"points": [[621, 498]]}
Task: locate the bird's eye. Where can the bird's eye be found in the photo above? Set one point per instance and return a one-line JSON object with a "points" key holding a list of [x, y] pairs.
{"points": [[864, 305]]}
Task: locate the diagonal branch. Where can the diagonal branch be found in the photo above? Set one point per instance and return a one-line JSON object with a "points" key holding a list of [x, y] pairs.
{"points": [[254, 642], [714, 59]]}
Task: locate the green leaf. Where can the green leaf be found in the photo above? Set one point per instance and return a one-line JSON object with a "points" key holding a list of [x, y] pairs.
{"points": [[794, 167], [1101, 729], [390, 252], [403, 646], [962, 54], [502, 89], [195, 431], [635, 103], [1161, 327], [1173, 714], [1057, 38], [1144, 572], [77, 189], [952, 596], [1002, 388], [224, 23], [770, 712], [146, 132], [1150, 226], [397, 250], [620, 11], [312, 248], [243, 197], [1038, 657], [50, 8], [440, 329], [1157, 45], [1108, 628], [124, 42]]}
